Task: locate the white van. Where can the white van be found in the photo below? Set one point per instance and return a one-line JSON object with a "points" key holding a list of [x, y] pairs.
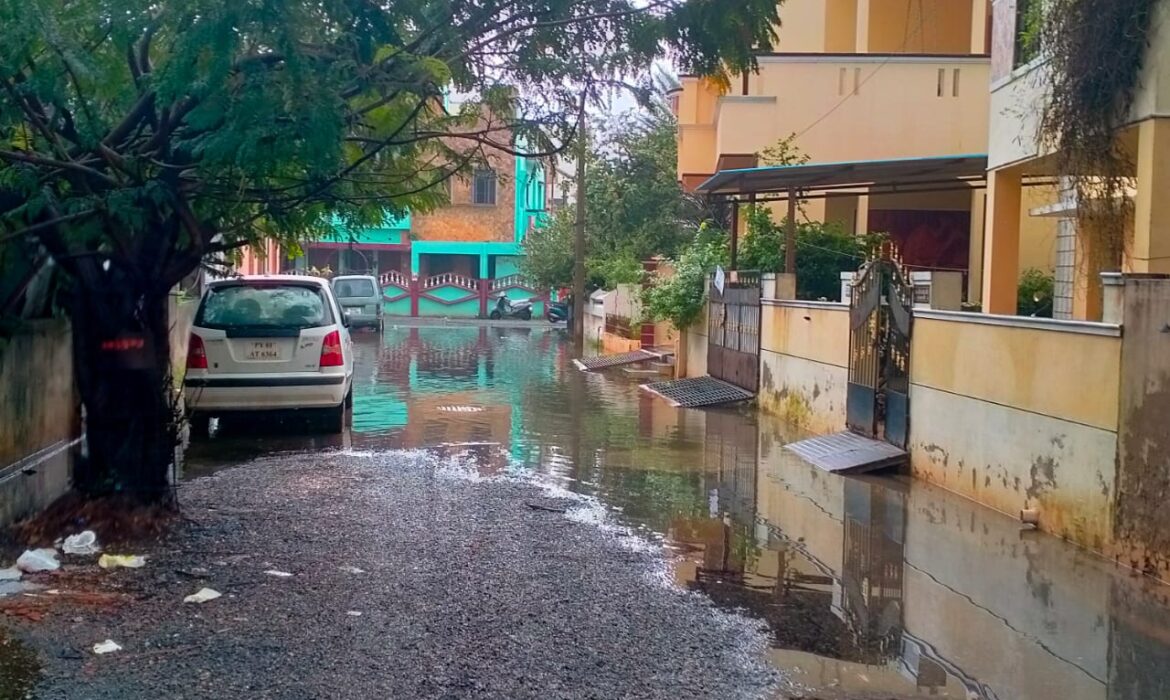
{"points": [[269, 343]]}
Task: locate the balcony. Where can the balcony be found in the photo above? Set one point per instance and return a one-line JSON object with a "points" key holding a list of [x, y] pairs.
{"points": [[394, 231], [860, 107]]}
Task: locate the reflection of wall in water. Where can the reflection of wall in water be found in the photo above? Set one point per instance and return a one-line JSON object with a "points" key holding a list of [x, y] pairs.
{"points": [[1139, 644], [871, 577], [731, 455]]}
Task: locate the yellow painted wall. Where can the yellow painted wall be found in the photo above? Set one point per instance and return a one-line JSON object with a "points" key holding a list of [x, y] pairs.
{"points": [[1019, 417], [1037, 234], [694, 340], [840, 26], [919, 26], [820, 334], [698, 100], [802, 27], [814, 99], [804, 356], [1041, 371], [697, 154]]}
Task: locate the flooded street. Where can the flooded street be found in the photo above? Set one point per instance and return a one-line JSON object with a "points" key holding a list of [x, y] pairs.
{"points": [[871, 588]]}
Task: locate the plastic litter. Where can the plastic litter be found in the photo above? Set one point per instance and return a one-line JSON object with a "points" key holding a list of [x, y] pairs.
{"points": [[353, 613], [11, 574], [278, 574], [106, 647], [204, 595], [35, 560], [351, 569], [125, 561], [82, 544]]}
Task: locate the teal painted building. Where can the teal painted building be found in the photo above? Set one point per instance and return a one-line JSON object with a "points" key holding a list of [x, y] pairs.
{"points": [[451, 261]]}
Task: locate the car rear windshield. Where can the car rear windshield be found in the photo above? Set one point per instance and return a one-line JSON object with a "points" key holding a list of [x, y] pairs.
{"points": [[264, 306], [350, 289]]}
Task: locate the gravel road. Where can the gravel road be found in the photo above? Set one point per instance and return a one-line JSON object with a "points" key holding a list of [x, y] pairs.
{"points": [[468, 588]]}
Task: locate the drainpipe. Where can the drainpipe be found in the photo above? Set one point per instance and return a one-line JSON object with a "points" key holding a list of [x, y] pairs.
{"points": [[734, 235], [790, 234]]}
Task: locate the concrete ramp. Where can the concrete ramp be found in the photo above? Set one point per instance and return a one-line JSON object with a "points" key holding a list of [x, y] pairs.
{"points": [[848, 453], [696, 392], [590, 364]]}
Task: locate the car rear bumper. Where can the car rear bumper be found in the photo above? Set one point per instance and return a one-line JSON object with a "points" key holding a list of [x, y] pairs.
{"points": [[363, 319], [264, 393]]}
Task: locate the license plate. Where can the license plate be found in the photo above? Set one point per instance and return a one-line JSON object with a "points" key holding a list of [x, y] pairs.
{"points": [[353, 310], [264, 350]]}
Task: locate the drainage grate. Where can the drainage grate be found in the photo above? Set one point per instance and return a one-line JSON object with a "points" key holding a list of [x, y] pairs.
{"points": [[588, 364], [845, 453], [694, 392]]}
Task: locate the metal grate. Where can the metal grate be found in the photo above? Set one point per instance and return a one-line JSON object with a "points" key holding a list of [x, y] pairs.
{"points": [[846, 453], [694, 392], [588, 364]]}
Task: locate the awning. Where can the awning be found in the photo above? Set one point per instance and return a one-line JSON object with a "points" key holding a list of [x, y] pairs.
{"points": [[876, 176]]}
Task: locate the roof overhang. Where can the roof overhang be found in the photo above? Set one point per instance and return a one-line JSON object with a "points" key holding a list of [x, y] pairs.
{"points": [[814, 180]]}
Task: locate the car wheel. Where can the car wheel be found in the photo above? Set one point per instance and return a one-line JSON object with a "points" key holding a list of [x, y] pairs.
{"points": [[199, 426], [526, 315], [334, 419], [494, 315], [349, 398]]}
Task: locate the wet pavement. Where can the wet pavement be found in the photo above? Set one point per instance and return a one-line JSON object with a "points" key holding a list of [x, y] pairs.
{"points": [[467, 445]]}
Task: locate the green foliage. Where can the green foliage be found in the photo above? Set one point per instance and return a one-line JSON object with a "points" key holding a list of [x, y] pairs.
{"points": [[824, 251], [1035, 293], [1094, 51], [783, 152], [548, 259], [203, 127], [548, 253], [610, 272], [140, 140], [679, 297], [635, 207], [762, 247]]}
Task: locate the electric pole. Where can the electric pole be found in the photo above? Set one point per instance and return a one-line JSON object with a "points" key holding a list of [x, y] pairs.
{"points": [[579, 239]]}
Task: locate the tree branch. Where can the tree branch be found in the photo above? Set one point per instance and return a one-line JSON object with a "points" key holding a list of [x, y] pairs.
{"points": [[21, 157]]}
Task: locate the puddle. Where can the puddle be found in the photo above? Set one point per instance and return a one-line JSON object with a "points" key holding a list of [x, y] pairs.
{"points": [[871, 588]]}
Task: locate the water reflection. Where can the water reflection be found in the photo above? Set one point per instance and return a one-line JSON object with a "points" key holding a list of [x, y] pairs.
{"points": [[872, 588]]}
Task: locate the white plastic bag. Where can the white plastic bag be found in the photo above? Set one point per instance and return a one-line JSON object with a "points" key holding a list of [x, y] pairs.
{"points": [[126, 561], [106, 647], [36, 560], [81, 544], [204, 595], [10, 574]]}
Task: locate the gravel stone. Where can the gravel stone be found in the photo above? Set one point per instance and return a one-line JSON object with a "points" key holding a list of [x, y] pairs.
{"points": [[467, 593]]}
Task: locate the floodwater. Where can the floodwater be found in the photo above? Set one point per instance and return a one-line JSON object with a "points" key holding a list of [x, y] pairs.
{"points": [[874, 588]]}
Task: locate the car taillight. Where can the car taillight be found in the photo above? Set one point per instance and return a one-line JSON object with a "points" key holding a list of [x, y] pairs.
{"points": [[331, 355], [196, 353]]}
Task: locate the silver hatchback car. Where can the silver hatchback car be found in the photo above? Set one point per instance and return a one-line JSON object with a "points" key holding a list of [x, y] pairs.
{"points": [[360, 299]]}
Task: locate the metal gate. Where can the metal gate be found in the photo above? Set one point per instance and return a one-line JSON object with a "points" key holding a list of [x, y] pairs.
{"points": [[733, 326], [881, 318]]}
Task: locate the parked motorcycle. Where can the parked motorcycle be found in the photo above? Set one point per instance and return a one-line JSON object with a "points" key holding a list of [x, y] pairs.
{"points": [[506, 308], [558, 311]]}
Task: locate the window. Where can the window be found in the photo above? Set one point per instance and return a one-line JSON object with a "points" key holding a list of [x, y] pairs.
{"points": [[264, 306], [354, 288], [483, 190], [1028, 18]]}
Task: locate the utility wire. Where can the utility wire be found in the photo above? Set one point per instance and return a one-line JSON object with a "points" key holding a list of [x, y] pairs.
{"points": [[905, 42]]}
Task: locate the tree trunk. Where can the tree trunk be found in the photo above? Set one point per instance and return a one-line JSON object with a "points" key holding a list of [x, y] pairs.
{"points": [[122, 364]]}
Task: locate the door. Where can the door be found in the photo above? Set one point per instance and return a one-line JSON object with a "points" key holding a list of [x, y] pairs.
{"points": [[733, 327], [881, 320]]}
